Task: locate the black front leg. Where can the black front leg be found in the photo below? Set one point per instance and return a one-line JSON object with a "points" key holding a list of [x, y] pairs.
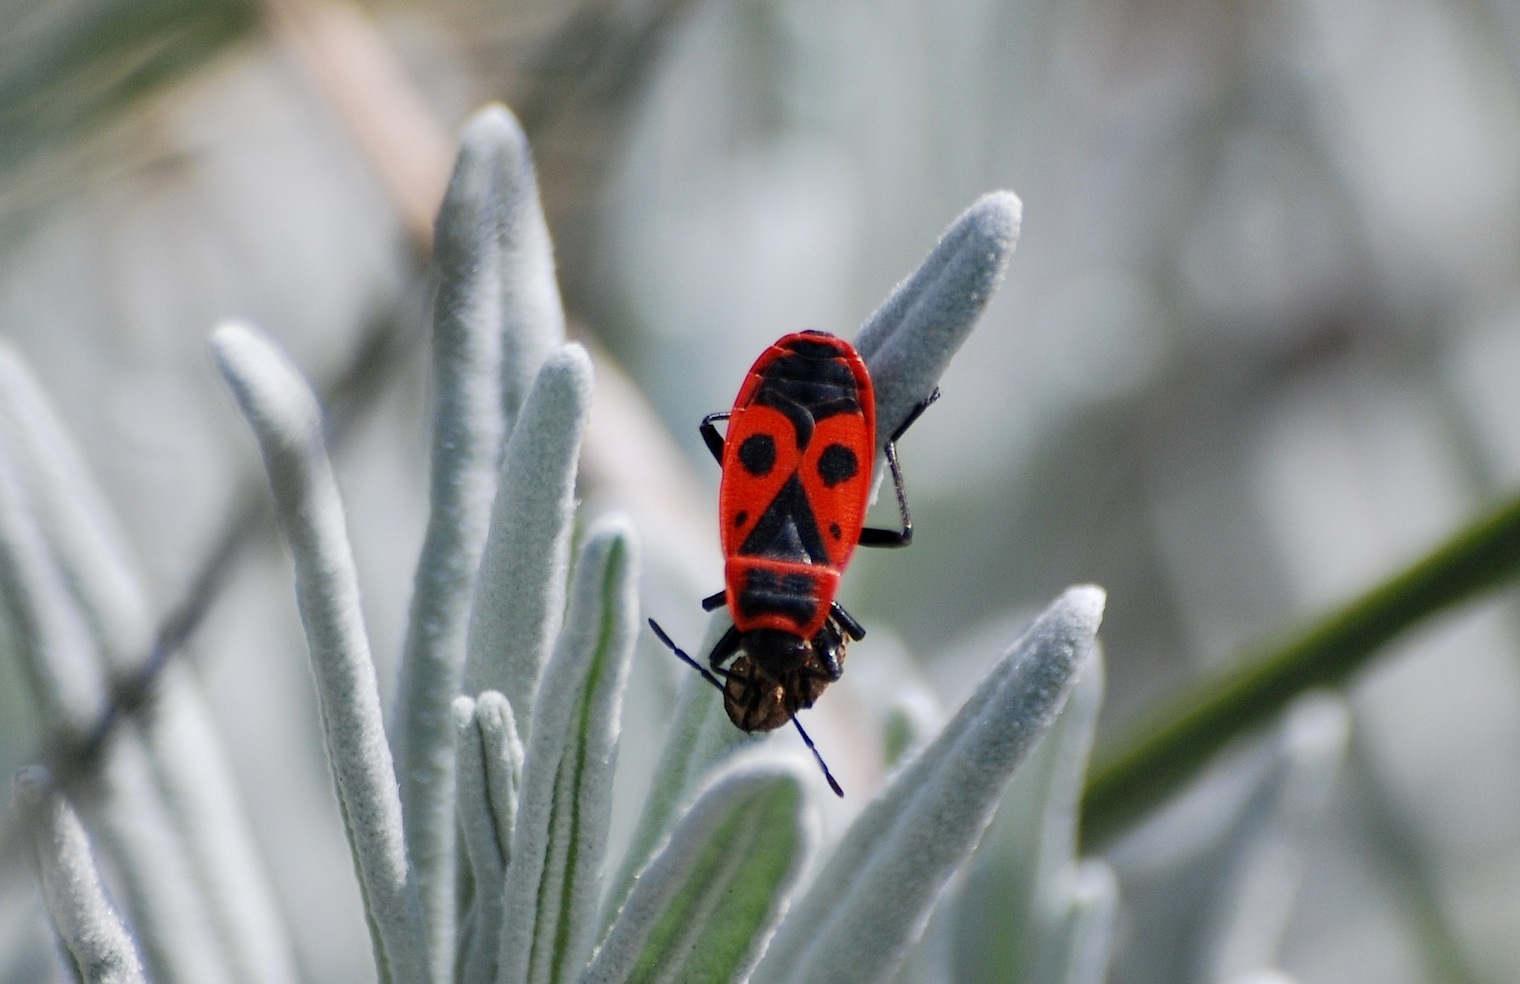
{"points": [[913, 416]]}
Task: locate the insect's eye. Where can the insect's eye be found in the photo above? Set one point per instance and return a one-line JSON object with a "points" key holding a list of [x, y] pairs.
{"points": [[758, 454], [837, 464]]}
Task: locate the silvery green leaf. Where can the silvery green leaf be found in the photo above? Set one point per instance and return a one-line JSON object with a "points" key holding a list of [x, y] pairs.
{"points": [[1078, 944], [490, 773], [58, 656], [73, 517], [496, 295], [1016, 895], [911, 722], [499, 232], [159, 889], [83, 539], [555, 873], [487, 865], [504, 755], [1263, 977], [1209, 881], [519, 594], [910, 339], [705, 905], [283, 413], [55, 647], [873, 897], [701, 738], [90, 929]]}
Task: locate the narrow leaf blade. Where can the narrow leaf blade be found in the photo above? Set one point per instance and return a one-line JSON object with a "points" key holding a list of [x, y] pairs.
{"points": [[909, 340], [283, 413], [874, 896], [707, 902], [555, 871], [520, 591], [90, 929]]}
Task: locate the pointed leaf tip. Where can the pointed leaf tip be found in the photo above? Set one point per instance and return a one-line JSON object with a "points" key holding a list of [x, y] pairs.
{"points": [[266, 383], [908, 342], [519, 591], [997, 216], [1081, 606], [494, 126], [874, 896], [570, 366]]}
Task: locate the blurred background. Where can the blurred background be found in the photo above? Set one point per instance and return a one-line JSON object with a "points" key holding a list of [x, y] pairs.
{"points": [[1258, 348]]}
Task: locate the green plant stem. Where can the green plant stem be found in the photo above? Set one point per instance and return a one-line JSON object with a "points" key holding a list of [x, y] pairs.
{"points": [[1142, 767]]}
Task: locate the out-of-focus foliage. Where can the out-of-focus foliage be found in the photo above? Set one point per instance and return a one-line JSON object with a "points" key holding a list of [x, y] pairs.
{"points": [[1256, 353]]}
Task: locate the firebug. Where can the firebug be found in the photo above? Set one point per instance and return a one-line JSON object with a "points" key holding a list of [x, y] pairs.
{"points": [[796, 480]]}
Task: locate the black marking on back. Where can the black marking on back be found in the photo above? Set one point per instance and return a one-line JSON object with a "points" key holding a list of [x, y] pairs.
{"points": [[758, 454], [790, 593], [837, 464], [808, 384], [787, 530]]}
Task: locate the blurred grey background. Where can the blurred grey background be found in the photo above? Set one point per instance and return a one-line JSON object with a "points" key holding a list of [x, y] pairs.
{"points": [[1258, 346]]}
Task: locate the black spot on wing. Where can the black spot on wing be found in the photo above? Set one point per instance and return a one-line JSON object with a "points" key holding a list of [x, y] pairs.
{"points": [[837, 464], [758, 454]]}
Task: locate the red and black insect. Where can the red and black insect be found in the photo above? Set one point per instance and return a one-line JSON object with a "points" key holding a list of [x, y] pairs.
{"points": [[796, 460]]}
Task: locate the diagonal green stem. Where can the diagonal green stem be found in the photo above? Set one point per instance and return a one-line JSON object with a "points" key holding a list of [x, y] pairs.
{"points": [[1162, 752]]}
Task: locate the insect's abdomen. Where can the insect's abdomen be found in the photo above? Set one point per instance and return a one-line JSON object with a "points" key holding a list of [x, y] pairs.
{"points": [[786, 596]]}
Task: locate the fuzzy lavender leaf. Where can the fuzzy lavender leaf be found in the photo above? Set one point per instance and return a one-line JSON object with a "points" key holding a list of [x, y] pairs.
{"points": [[554, 878], [700, 740], [873, 898], [283, 413], [497, 317], [191, 772], [909, 340], [705, 905], [91, 931], [520, 592]]}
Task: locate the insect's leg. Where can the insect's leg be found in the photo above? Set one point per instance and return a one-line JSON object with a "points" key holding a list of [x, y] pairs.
{"points": [[913, 415], [710, 435], [873, 537], [830, 673], [821, 764], [714, 601], [726, 647], [852, 628], [684, 658]]}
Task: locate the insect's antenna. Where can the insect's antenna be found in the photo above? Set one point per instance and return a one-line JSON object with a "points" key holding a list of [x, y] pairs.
{"points": [[821, 764], [706, 674]]}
